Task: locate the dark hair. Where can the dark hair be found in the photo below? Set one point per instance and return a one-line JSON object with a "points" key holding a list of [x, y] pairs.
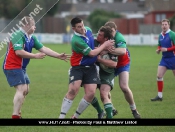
{"points": [[75, 20], [107, 32], [111, 24]]}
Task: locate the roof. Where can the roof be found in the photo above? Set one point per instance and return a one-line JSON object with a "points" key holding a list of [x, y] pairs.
{"points": [[118, 7]]}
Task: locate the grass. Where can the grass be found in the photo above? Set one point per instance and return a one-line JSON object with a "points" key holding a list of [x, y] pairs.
{"points": [[49, 84]]}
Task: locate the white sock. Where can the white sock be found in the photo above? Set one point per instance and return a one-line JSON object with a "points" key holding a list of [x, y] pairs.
{"points": [[160, 94], [133, 107], [66, 104], [82, 106]]}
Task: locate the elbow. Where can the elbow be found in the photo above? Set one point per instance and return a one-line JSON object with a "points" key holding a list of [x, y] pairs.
{"points": [[114, 65], [18, 53], [91, 54], [123, 52]]}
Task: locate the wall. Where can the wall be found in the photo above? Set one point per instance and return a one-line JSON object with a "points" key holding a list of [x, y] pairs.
{"points": [[140, 39]]}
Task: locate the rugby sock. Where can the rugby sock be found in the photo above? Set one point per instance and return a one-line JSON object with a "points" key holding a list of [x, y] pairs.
{"points": [[16, 117], [133, 107], [160, 86], [82, 106], [108, 109], [113, 108], [96, 105], [66, 104]]}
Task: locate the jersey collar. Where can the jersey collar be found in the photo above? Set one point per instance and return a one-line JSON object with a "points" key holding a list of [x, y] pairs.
{"points": [[80, 34], [166, 31]]}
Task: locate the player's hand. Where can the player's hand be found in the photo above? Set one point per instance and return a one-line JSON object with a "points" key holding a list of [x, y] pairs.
{"points": [[40, 55], [103, 52], [158, 51], [163, 49], [111, 49], [64, 57], [109, 43], [99, 58]]}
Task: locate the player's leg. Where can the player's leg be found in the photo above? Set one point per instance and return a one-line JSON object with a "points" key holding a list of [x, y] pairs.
{"points": [[98, 108], [123, 82], [104, 91], [90, 81], [86, 100], [160, 73], [21, 91], [20, 112], [17, 78], [27, 81], [68, 99], [114, 110], [75, 80], [173, 72], [95, 102]]}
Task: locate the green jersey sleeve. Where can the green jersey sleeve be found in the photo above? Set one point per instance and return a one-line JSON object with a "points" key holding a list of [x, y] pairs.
{"points": [[79, 46], [119, 40], [172, 36], [17, 40], [158, 40], [37, 44]]}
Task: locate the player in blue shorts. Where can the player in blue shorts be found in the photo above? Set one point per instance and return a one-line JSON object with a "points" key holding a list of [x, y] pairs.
{"points": [[166, 45], [19, 53], [123, 67]]}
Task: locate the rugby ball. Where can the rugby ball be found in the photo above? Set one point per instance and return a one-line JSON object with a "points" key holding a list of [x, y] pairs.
{"points": [[106, 57]]}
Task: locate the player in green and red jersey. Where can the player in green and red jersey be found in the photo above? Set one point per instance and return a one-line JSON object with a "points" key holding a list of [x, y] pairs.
{"points": [[166, 45], [17, 58], [83, 71], [123, 66]]}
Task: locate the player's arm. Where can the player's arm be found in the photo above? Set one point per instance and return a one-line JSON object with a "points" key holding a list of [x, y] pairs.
{"points": [[172, 48], [108, 63], [105, 45], [120, 45], [81, 47], [49, 52], [158, 50], [23, 54], [39, 46], [17, 42], [117, 51]]}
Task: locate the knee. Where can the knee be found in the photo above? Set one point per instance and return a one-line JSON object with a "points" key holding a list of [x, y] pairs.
{"points": [[125, 89], [90, 95], [109, 96], [25, 92], [104, 96], [71, 93], [159, 78], [23, 89]]}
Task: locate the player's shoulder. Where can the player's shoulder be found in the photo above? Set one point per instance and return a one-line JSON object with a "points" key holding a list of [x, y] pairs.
{"points": [[118, 34], [18, 35], [88, 28], [33, 36], [172, 32]]}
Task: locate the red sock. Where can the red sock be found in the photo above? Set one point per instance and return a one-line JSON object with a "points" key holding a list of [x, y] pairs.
{"points": [[16, 117], [160, 86]]}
